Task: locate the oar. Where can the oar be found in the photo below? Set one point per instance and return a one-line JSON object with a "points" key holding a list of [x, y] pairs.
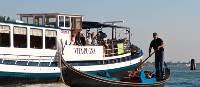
{"points": [[144, 61]]}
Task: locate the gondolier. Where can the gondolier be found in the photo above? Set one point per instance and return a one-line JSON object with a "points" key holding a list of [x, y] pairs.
{"points": [[158, 46]]}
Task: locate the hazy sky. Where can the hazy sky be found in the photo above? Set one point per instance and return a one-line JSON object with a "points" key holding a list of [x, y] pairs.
{"points": [[176, 21]]}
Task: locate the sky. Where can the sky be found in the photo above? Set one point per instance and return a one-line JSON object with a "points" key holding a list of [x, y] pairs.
{"points": [[177, 22]]}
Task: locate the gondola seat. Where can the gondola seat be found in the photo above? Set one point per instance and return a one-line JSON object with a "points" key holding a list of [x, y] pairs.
{"points": [[144, 79]]}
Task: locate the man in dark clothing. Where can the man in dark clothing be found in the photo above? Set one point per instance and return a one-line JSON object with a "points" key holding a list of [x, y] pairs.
{"points": [[77, 39], [158, 46], [80, 39]]}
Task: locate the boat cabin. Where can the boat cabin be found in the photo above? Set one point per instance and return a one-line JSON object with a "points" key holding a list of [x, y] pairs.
{"points": [[38, 30], [44, 30], [68, 21]]}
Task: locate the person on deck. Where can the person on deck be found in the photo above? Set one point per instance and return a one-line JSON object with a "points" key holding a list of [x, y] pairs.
{"points": [[89, 39], [82, 38], [77, 38], [73, 39], [94, 39], [158, 46]]}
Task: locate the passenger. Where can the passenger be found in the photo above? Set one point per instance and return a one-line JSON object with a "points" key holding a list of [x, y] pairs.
{"points": [[134, 76], [82, 39], [109, 43], [105, 46], [89, 39], [94, 39], [102, 35], [73, 40], [77, 39], [98, 38], [148, 74]]}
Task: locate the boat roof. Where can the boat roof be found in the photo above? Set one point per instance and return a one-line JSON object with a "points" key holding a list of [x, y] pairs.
{"points": [[47, 14], [91, 24]]}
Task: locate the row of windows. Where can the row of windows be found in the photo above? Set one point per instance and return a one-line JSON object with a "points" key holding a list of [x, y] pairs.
{"points": [[74, 63], [65, 22], [20, 37], [100, 62], [26, 63]]}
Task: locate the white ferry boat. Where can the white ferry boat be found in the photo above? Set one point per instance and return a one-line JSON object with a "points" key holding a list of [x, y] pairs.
{"points": [[29, 48]]}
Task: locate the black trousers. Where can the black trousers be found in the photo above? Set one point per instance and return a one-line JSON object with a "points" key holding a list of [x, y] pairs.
{"points": [[159, 63]]}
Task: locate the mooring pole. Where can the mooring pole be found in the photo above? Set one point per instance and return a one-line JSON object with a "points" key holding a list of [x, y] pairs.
{"points": [[192, 65]]}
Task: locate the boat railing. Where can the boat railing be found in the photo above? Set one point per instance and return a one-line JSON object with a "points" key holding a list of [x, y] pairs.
{"points": [[27, 58], [109, 51]]}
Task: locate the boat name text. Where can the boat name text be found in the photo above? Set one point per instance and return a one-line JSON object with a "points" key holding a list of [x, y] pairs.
{"points": [[84, 51]]}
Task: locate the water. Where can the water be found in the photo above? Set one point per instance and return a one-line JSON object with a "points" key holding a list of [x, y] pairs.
{"points": [[181, 76]]}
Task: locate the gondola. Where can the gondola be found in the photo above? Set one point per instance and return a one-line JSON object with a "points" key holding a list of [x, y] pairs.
{"points": [[76, 78]]}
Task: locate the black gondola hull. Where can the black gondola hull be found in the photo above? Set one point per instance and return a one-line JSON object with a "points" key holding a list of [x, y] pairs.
{"points": [[75, 78]]}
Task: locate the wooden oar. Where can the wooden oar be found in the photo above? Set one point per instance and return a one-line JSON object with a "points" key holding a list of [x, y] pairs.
{"points": [[144, 61]]}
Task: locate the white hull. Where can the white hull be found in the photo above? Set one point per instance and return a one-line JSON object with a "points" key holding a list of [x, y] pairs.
{"points": [[109, 66], [28, 69], [37, 69]]}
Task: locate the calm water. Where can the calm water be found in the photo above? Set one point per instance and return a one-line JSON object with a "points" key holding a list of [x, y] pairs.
{"points": [[181, 76]]}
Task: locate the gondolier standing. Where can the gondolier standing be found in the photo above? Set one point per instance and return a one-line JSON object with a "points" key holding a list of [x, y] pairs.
{"points": [[158, 46]]}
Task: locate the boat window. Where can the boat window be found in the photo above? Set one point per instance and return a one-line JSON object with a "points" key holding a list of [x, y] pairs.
{"points": [[100, 62], [61, 21], [51, 21], [43, 64], [118, 60], [106, 61], [20, 37], [30, 20], [22, 63], [76, 23], [24, 19], [36, 38], [9, 62], [67, 22], [129, 58], [113, 60], [50, 39], [123, 59], [38, 20], [4, 36], [33, 63]]}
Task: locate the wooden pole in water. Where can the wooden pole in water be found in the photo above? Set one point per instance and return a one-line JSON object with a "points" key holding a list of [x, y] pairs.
{"points": [[192, 65]]}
